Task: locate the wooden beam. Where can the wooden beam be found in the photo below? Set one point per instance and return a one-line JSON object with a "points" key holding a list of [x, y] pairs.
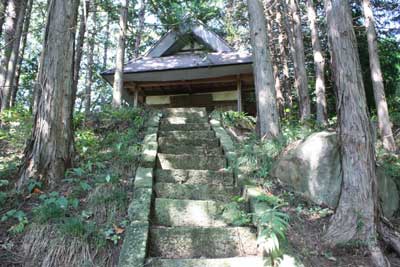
{"points": [[239, 94], [225, 79]]}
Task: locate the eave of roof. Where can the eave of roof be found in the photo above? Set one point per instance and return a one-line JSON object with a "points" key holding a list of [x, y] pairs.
{"points": [[184, 61]]}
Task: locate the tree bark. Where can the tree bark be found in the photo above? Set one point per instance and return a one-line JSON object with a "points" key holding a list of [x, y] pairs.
{"points": [[49, 151], [301, 80], [3, 7], [319, 65], [24, 37], [140, 28], [377, 80], [283, 44], [79, 46], [13, 60], [10, 28], [88, 88], [105, 55], [271, 15], [264, 78], [119, 68], [356, 214]]}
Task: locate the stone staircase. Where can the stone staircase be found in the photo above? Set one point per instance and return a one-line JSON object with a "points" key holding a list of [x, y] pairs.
{"points": [[192, 185]]}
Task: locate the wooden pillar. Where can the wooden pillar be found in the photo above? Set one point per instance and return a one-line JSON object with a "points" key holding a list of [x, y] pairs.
{"points": [[239, 94], [135, 95]]}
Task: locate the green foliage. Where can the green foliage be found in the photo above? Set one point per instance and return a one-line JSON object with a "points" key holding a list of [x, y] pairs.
{"points": [[238, 119], [20, 216], [259, 154], [53, 207]]}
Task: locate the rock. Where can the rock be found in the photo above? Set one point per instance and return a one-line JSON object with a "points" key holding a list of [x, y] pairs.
{"points": [[312, 168]]}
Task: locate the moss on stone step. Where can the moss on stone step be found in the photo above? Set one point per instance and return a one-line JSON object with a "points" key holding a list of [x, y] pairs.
{"points": [[207, 242], [196, 191], [214, 142], [193, 162], [225, 262], [210, 177]]}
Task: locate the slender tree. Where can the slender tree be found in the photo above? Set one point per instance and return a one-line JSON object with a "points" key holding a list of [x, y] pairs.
{"points": [[356, 215], [49, 151], [283, 44], [10, 28], [301, 77], [268, 117], [119, 68], [138, 40], [89, 83], [13, 60], [319, 65], [3, 7], [107, 36], [271, 15], [377, 80], [79, 44], [24, 38]]}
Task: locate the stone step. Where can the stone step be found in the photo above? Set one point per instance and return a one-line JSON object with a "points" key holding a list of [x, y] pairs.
{"points": [[183, 141], [185, 118], [184, 110], [196, 191], [203, 242], [189, 149], [190, 162], [165, 126], [182, 212], [188, 177], [252, 261], [188, 134]]}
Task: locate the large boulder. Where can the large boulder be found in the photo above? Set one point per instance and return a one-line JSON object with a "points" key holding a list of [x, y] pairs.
{"points": [[312, 168]]}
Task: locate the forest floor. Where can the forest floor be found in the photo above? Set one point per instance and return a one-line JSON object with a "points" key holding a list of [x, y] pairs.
{"points": [[87, 212], [82, 221]]}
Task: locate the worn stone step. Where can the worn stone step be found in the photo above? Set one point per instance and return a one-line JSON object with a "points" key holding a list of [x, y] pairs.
{"points": [[252, 261], [184, 110], [165, 126], [189, 149], [196, 191], [184, 141], [183, 212], [202, 242], [180, 119], [188, 134], [210, 177], [190, 162]]}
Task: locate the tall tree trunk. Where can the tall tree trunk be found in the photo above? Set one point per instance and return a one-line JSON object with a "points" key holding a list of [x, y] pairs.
{"points": [[300, 65], [377, 80], [79, 46], [10, 28], [105, 55], [88, 88], [140, 28], [49, 151], [14, 58], [3, 8], [264, 78], [319, 65], [355, 217], [283, 44], [271, 15], [119, 68], [24, 37]]}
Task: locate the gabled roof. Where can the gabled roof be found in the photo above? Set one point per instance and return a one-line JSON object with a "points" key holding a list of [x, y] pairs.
{"points": [[184, 61], [176, 39]]}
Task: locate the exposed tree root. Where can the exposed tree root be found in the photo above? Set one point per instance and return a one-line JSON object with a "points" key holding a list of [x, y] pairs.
{"points": [[389, 235]]}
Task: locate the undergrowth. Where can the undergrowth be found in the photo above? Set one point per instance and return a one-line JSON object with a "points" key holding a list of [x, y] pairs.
{"points": [[88, 209]]}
